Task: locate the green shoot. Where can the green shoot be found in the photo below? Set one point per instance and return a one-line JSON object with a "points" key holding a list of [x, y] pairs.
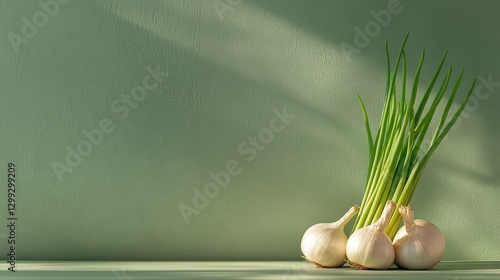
{"points": [[396, 155]]}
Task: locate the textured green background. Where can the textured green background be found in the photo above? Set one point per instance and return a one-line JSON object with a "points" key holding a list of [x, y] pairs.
{"points": [[226, 75]]}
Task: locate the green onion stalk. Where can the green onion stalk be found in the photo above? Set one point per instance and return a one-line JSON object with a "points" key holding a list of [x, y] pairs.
{"points": [[396, 155]]}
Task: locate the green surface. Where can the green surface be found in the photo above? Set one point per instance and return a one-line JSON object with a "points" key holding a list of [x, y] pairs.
{"points": [[240, 270], [230, 78]]}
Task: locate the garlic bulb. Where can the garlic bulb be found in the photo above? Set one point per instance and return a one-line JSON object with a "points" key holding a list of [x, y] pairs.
{"points": [[370, 247], [419, 244], [324, 244]]}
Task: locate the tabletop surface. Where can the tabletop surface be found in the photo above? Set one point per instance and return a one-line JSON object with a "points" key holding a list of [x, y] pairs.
{"points": [[298, 270]]}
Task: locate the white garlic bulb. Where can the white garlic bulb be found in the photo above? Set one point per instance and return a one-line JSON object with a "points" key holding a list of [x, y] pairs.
{"points": [[370, 247], [419, 244], [324, 244]]}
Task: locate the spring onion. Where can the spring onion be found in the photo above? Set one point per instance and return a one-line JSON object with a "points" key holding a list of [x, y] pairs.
{"points": [[395, 163]]}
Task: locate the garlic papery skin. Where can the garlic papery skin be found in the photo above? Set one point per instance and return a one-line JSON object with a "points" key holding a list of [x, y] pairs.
{"points": [[419, 244], [324, 244], [370, 247]]}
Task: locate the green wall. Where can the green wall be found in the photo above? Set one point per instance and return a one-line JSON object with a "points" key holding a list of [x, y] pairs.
{"points": [[264, 91]]}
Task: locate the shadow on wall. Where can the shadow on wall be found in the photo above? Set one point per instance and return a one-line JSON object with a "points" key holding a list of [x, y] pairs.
{"points": [[204, 96], [279, 95], [228, 103], [433, 33], [220, 103]]}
